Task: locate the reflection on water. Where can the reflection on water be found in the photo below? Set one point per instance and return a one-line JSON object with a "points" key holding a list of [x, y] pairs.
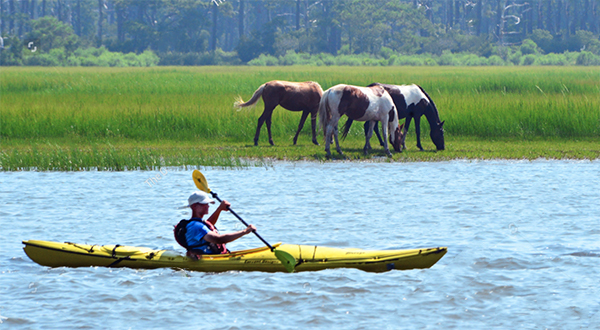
{"points": [[522, 236]]}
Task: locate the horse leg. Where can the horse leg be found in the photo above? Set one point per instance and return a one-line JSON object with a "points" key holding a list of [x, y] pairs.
{"points": [[313, 125], [368, 134], [268, 121], [406, 125], [266, 116], [261, 121], [376, 130], [337, 142], [302, 120], [384, 129], [418, 130], [328, 136]]}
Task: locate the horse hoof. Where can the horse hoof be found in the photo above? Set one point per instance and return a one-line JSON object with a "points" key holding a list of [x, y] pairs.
{"points": [[271, 143], [316, 143]]}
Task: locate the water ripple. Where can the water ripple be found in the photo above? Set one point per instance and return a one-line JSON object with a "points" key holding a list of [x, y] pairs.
{"points": [[522, 236]]}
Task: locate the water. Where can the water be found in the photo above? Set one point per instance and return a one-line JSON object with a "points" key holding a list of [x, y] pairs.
{"points": [[523, 241]]}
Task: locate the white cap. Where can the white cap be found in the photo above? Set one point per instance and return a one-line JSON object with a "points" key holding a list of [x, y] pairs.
{"points": [[199, 197]]}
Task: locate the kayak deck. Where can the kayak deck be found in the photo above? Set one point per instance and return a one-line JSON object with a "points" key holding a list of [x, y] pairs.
{"points": [[308, 258]]}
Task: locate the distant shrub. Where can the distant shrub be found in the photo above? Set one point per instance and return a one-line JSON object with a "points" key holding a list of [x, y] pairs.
{"points": [[217, 57], [264, 60], [408, 60], [292, 58], [529, 47], [447, 58], [91, 57], [587, 58], [386, 52], [553, 59], [430, 62], [495, 60], [374, 62], [54, 58], [515, 58], [473, 60], [528, 59], [350, 60], [326, 58]]}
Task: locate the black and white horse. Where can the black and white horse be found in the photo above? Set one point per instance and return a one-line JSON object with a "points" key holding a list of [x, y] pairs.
{"points": [[369, 104], [412, 101]]}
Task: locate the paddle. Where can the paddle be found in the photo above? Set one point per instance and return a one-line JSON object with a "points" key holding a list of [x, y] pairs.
{"points": [[287, 260]]}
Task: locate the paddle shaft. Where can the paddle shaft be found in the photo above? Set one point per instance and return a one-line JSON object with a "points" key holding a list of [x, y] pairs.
{"points": [[242, 220]]}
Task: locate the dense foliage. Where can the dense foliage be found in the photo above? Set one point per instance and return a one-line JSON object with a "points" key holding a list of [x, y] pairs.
{"points": [[326, 32]]}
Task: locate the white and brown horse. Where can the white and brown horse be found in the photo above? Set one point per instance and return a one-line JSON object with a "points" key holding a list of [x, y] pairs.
{"points": [[412, 102], [370, 104], [293, 96]]}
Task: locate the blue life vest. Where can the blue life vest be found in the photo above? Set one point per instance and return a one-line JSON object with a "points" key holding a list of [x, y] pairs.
{"points": [[180, 231]]}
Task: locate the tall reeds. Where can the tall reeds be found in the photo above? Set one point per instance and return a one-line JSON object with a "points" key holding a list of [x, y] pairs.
{"points": [[96, 105], [192, 103]]}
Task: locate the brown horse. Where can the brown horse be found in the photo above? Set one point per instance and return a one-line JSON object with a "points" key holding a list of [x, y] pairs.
{"points": [[293, 96]]}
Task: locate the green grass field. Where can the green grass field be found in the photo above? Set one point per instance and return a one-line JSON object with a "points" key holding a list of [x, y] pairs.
{"points": [[144, 118]]}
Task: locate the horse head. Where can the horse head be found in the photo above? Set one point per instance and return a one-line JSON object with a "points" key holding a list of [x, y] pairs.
{"points": [[437, 136], [398, 138]]}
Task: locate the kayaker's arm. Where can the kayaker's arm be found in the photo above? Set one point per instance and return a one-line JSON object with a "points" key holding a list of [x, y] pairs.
{"points": [[217, 238], [224, 206]]}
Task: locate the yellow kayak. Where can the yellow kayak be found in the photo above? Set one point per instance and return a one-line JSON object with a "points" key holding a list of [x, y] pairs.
{"points": [[308, 258]]}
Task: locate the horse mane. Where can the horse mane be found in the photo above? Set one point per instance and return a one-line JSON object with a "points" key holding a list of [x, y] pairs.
{"points": [[314, 82], [435, 110]]}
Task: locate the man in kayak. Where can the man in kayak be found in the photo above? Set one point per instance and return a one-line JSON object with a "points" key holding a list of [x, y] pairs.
{"points": [[200, 236]]}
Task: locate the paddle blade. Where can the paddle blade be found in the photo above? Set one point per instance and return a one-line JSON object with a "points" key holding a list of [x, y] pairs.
{"points": [[200, 181], [287, 260]]}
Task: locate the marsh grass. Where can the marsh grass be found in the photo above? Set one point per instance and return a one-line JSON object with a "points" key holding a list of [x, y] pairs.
{"points": [[131, 155], [130, 118], [53, 157]]}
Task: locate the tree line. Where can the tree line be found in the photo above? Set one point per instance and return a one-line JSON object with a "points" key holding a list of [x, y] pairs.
{"points": [[243, 31]]}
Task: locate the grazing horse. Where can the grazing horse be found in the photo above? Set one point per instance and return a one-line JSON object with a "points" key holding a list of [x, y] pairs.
{"points": [[369, 104], [293, 96], [412, 102]]}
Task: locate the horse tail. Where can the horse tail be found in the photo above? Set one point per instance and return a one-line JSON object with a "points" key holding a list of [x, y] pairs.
{"points": [[346, 129], [239, 103], [324, 111]]}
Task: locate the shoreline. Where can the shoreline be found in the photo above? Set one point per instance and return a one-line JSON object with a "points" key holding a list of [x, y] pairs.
{"points": [[127, 155]]}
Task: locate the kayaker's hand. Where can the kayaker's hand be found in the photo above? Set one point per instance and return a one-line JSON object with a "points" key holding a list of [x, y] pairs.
{"points": [[250, 229], [225, 205]]}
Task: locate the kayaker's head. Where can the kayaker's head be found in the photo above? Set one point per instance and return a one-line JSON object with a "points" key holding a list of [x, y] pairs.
{"points": [[198, 202]]}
